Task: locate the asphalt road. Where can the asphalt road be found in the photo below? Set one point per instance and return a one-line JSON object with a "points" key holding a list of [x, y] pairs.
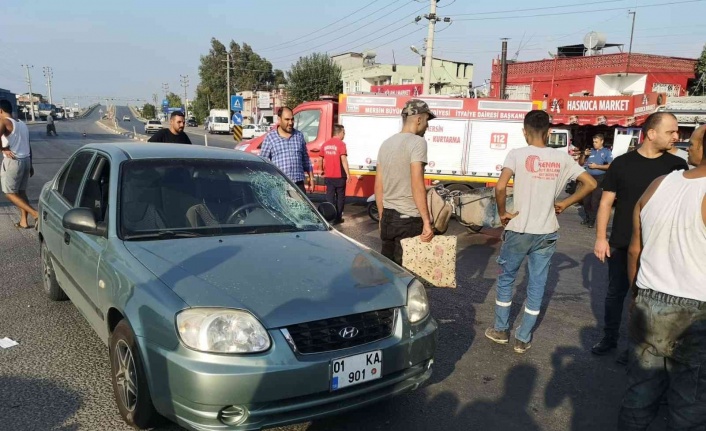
{"points": [[58, 376]]}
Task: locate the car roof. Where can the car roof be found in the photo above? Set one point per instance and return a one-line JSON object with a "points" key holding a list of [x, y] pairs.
{"points": [[148, 150]]}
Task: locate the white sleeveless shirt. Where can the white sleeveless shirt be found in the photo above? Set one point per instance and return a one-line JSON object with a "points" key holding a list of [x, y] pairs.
{"points": [[674, 239], [18, 141]]}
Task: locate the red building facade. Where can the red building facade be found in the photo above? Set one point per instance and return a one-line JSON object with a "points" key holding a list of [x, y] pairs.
{"points": [[556, 80]]}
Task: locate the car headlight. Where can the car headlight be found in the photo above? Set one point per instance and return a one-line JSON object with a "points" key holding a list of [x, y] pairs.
{"points": [[417, 302], [220, 330]]}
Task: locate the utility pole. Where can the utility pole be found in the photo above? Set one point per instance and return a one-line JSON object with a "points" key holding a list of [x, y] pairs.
{"points": [[48, 74], [430, 47], [632, 31], [227, 60], [429, 50], [165, 88], [185, 84], [503, 68], [154, 99], [31, 96]]}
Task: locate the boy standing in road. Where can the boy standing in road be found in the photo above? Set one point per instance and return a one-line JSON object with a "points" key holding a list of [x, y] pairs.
{"points": [[626, 180], [336, 173], [540, 176]]}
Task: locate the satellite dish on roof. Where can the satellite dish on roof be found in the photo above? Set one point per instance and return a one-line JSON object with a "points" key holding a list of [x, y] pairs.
{"points": [[594, 40]]}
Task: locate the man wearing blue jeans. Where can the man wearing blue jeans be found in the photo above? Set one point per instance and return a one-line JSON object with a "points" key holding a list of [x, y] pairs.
{"points": [[540, 176]]}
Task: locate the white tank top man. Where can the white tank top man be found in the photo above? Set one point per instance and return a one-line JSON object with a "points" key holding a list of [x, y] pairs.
{"points": [[668, 318]]}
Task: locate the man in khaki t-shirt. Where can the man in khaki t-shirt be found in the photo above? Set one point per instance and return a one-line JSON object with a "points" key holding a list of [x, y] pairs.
{"points": [[400, 192]]}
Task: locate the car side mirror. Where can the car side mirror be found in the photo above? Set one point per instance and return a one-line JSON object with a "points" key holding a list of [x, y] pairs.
{"points": [[83, 220], [327, 211]]}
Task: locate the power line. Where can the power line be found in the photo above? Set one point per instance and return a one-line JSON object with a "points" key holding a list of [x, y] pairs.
{"points": [[577, 12], [536, 8], [299, 41], [296, 54]]}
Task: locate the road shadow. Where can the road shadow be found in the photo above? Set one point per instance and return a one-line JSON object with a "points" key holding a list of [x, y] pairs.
{"points": [[455, 309], [592, 385], [594, 275], [443, 411], [36, 404]]}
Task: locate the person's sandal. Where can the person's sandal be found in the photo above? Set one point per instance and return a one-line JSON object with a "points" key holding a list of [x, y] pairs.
{"points": [[19, 226]]}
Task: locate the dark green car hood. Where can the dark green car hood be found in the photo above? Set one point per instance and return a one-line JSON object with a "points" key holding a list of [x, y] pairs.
{"points": [[282, 279]]}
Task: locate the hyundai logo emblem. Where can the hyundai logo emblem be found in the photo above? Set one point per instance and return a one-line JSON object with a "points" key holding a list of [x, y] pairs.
{"points": [[348, 332]]}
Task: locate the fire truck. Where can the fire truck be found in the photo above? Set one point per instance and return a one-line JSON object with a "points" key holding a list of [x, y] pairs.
{"points": [[467, 142]]}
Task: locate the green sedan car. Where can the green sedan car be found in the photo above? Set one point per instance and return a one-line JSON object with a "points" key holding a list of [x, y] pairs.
{"points": [[226, 299]]}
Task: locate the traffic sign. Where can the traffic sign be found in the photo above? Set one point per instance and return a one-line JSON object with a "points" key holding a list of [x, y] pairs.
{"points": [[236, 103], [238, 119], [238, 133], [165, 102]]}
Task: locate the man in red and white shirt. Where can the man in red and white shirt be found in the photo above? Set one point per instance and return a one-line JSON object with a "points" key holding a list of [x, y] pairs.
{"points": [[336, 173]]}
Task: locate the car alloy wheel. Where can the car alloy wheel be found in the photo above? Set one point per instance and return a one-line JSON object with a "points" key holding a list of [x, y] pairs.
{"points": [[51, 286], [125, 375], [130, 386]]}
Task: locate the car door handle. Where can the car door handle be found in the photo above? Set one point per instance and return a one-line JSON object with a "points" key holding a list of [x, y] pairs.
{"points": [[44, 215], [67, 238]]}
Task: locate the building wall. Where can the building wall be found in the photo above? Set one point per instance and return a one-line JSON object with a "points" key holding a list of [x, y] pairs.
{"points": [[453, 77], [348, 60], [560, 77], [450, 77], [616, 85]]}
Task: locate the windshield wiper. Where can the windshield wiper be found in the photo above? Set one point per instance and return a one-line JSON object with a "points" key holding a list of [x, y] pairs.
{"points": [[165, 234]]}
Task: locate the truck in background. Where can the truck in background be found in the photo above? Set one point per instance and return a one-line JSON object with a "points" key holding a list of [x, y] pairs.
{"points": [[467, 142], [218, 121]]}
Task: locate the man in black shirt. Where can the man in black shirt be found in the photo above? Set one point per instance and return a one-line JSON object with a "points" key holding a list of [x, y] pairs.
{"points": [[175, 133], [627, 178]]}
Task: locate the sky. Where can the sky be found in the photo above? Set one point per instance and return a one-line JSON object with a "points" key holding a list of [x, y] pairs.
{"points": [[128, 49]]}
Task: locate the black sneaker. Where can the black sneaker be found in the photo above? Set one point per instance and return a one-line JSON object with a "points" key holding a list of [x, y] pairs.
{"points": [[521, 346], [584, 222], [500, 337], [604, 346]]}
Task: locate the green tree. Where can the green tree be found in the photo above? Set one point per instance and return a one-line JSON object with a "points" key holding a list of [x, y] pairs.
{"points": [[698, 87], [149, 111], [312, 77], [249, 72], [174, 100]]}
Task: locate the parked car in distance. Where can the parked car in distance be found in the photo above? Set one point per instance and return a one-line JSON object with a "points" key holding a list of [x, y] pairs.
{"points": [[193, 265], [126, 118], [251, 131], [191, 122], [152, 126]]}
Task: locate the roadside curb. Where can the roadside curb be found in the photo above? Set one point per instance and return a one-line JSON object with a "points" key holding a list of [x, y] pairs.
{"points": [[123, 132]]}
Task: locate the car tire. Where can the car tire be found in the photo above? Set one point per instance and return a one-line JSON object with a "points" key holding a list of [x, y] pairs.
{"points": [[373, 211], [132, 394], [51, 286]]}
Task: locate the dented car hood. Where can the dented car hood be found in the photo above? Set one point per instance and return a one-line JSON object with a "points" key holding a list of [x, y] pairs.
{"points": [[282, 278]]}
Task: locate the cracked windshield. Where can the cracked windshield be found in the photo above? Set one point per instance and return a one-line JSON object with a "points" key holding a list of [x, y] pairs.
{"points": [[210, 197]]}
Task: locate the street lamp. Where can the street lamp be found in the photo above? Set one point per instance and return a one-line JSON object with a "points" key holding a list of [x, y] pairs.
{"points": [[416, 51]]}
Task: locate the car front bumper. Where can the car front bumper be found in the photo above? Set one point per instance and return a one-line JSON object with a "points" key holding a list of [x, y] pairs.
{"points": [[280, 387]]}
